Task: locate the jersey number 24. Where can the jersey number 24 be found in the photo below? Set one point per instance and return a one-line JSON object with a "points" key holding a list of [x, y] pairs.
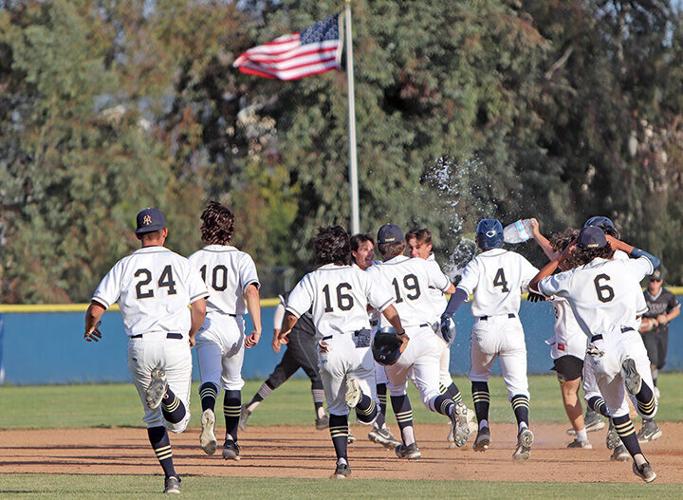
{"points": [[165, 280]]}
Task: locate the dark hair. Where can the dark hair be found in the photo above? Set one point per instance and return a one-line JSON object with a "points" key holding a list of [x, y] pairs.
{"points": [[423, 235], [391, 250], [332, 246], [359, 238], [560, 241], [218, 224], [582, 256], [152, 235]]}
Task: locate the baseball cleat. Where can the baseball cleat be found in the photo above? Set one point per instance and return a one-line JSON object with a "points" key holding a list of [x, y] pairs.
{"points": [[580, 444], [411, 452], [383, 436], [460, 424], [483, 440], [322, 423], [620, 454], [157, 389], [632, 379], [342, 471], [244, 417], [644, 472], [207, 438], [612, 441], [524, 441], [172, 485], [231, 450], [649, 431], [592, 421], [353, 392]]}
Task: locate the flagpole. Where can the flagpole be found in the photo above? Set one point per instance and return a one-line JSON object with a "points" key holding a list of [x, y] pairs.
{"points": [[353, 161]]}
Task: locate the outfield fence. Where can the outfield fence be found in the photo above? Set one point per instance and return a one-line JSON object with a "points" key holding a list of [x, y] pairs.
{"points": [[43, 344]]}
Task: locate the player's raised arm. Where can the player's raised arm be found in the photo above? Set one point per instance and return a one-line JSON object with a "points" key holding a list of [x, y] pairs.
{"points": [[633, 251], [542, 241]]}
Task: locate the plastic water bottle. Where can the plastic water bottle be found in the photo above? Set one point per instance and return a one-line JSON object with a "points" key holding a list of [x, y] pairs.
{"points": [[518, 232]]}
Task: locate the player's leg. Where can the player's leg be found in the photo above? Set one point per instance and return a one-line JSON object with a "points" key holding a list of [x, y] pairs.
{"points": [[514, 369], [333, 366], [363, 375], [446, 384], [305, 351], [481, 359], [617, 405], [145, 355], [287, 366], [380, 432], [569, 369], [209, 355], [233, 347], [397, 383]]}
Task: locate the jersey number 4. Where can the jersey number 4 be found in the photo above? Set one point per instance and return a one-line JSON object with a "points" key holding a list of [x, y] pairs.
{"points": [[344, 300], [499, 280], [165, 280]]}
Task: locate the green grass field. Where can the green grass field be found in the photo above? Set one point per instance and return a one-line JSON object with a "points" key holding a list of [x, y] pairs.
{"points": [[118, 405], [113, 405]]}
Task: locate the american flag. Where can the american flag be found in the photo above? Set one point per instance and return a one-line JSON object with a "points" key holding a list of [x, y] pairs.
{"points": [[315, 50]]}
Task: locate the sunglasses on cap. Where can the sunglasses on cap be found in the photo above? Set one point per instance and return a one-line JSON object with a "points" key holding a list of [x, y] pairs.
{"points": [[655, 279]]}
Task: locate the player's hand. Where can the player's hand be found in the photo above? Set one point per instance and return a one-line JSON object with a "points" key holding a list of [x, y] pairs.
{"points": [[662, 319], [535, 227], [535, 297], [283, 337], [404, 342], [93, 335], [275, 344], [324, 346], [252, 339]]}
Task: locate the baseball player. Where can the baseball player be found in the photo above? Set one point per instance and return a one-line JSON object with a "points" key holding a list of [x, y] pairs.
{"points": [[495, 278], [339, 295], [419, 243], [568, 345], [233, 284], [301, 352], [362, 253], [411, 279], [594, 399], [662, 307], [154, 287], [600, 292]]}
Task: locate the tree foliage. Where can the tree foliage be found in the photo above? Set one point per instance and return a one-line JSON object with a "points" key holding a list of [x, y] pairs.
{"points": [[465, 109]]}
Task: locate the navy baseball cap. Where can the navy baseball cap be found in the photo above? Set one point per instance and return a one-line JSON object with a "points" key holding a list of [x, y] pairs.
{"points": [[149, 220], [658, 275], [389, 233], [591, 237]]}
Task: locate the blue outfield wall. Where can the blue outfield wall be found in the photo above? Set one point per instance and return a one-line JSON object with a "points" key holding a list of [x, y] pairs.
{"points": [[48, 348]]}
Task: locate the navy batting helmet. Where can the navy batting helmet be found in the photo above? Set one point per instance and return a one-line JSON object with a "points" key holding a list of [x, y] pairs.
{"points": [[604, 223], [489, 234], [386, 347]]}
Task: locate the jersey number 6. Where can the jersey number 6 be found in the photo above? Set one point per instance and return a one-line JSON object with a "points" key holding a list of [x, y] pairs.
{"points": [[165, 280], [604, 291]]}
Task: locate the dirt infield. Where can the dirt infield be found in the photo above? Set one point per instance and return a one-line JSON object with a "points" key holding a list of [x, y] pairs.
{"points": [[305, 453]]}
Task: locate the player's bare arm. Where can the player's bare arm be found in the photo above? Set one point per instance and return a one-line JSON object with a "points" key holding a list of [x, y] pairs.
{"points": [[252, 297], [542, 241], [287, 325], [392, 317], [197, 315], [92, 320]]}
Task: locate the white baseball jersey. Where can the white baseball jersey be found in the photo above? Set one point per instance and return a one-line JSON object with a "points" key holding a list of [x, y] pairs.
{"points": [[153, 287], [339, 296], [438, 299], [600, 292], [496, 278], [227, 272], [641, 305], [410, 279], [569, 338]]}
